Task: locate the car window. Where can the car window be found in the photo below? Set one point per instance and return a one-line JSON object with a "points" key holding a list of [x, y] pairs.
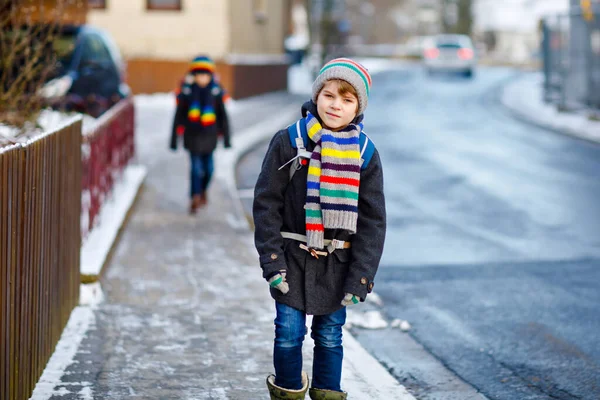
{"points": [[63, 47], [94, 50], [448, 46]]}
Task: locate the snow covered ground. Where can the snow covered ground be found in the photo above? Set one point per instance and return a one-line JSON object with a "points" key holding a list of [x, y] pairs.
{"points": [[524, 97]]}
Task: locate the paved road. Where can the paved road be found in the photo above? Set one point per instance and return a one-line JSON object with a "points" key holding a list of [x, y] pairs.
{"points": [[493, 247]]}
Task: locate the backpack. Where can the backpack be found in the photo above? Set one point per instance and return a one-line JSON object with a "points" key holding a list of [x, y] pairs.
{"points": [[299, 138]]}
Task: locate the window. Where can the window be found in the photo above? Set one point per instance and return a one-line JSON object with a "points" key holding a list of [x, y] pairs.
{"points": [[97, 4], [260, 10], [163, 5], [94, 51]]}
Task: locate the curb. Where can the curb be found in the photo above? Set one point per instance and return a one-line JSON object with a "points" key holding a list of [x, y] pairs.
{"points": [[96, 249], [527, 116]]}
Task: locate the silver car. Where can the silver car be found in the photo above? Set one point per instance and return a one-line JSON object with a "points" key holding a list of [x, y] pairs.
{"points": [[450, 53]]}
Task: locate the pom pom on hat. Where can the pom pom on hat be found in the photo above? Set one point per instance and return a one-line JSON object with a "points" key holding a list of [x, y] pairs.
{"points": [[347, 70]]}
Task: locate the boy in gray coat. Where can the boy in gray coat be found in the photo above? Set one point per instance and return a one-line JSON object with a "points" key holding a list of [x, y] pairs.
{"points": [[320, 227]]}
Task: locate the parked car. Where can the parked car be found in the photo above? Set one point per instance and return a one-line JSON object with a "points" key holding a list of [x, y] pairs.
{"points": [[90, 73], [450, 53]]}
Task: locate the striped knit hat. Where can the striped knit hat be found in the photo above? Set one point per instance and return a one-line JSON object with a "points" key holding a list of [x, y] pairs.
{"points": [[349, 71], [202, 64]]}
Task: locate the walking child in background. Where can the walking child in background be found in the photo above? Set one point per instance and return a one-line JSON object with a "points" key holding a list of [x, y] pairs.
{"points": [[319, 213], [200, 118]]}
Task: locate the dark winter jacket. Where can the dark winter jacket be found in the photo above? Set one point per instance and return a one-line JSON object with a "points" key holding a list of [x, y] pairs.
{"points": [[197, 138], [317, 286]]}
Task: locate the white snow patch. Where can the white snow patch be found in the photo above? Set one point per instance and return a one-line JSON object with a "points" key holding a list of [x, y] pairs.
{"points": [[86, 393], [368, 320], [9, 132], [64, 353], [375, 299], [524, 96], [97, 245], [403, 325], [173, 347], [90, 294]]}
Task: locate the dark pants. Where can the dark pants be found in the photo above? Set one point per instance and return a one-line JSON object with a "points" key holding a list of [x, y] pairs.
{"points": [[326, 331], [202, 168]]}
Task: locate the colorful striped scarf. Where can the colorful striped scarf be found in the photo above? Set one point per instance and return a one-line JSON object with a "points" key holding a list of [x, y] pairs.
{"points": [[201, 110], [333, 180]]}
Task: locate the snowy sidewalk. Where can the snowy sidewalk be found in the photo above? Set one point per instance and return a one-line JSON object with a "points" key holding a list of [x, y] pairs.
{"points": [[524, 97], [187, 314]]}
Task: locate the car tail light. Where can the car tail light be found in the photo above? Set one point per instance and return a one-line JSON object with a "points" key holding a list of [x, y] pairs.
{"points": [[432, 53], [465, 54]]}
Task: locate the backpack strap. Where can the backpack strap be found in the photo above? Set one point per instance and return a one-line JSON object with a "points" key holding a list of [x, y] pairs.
{"points": [[367, 149]]}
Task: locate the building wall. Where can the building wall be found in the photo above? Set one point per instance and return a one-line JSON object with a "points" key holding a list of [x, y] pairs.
{"points": [[158, 45], [200, 27], [258, 30]]}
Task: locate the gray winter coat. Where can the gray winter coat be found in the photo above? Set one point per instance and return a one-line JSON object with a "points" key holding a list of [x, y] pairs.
{"points": [[317, 286]]}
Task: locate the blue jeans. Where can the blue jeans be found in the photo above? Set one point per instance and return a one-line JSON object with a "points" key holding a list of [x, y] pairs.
{"points": [[202, 168], [326, 331]]}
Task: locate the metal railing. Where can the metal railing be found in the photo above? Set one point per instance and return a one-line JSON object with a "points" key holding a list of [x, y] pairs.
{"points": [[107, 149], [40, 242], [571, 54]]}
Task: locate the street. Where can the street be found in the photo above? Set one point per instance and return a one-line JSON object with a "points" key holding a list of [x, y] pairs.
{"points": [[493, 241]]}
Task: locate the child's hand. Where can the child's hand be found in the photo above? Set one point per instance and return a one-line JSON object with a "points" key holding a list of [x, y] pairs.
{"points": [[350, 299], [278, 282]]}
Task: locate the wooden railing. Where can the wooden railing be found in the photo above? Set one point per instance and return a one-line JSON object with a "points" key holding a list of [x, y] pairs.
{"points": [[40, 241], [52, 188]]}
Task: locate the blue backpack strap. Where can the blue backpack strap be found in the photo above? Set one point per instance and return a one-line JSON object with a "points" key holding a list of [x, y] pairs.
{"points": [[367, 149], [298, 130]]}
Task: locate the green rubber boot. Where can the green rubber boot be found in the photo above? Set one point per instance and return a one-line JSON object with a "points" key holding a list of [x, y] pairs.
{"points": [[322, 394], [279, 393]]}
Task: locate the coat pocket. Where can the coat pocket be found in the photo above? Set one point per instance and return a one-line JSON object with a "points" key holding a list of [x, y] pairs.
{"points": [[342, 255]]}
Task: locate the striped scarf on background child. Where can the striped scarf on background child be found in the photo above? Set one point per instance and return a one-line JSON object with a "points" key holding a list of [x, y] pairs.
{"points": [[201, 110], [333, 180]]}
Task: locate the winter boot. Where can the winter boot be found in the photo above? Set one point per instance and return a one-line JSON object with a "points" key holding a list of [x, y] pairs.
{"points": [[203, 199], [322, 394], [279, 393], [195, 203]]}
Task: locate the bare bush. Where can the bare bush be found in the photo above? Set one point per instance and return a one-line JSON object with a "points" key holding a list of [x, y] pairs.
{"points": [[28, 30]]}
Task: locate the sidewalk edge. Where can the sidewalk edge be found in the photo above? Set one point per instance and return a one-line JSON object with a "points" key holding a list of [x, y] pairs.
{"points": [[96, 249], [529, 117]]}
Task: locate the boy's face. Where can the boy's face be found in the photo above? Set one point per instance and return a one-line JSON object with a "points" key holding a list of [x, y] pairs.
{"points": [[336, 110], [202, 79]]}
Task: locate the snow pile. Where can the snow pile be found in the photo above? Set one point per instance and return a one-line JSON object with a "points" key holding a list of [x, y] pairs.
{"points": [[97, 245], [368, 320], [48, 121], [524, 96]]}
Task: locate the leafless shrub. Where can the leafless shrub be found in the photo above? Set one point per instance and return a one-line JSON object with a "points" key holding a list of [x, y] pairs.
{"points": [[28, 30]]}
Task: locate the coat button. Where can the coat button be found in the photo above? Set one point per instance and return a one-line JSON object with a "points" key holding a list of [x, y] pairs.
{"points": [[370, 288], [363, 280], [273, 256]]}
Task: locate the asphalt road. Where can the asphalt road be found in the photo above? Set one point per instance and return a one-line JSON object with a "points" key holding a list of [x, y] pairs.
{"points": [[493, 244]]}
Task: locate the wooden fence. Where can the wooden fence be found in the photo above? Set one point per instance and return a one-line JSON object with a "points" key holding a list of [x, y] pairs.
{"points": [[40, 241]]}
